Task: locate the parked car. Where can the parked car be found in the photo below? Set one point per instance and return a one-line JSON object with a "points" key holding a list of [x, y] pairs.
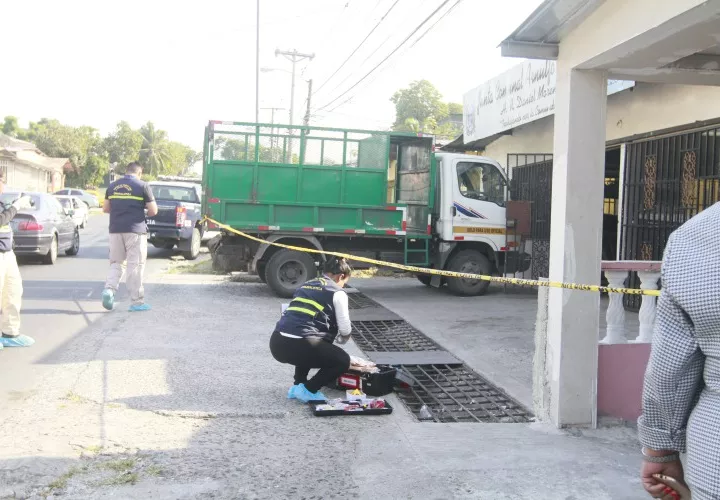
{"points": [[45, 229], [80, 209], [179, 218], [90, 199]]}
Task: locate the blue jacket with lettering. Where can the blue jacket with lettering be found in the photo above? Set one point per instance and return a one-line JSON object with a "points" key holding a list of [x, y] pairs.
{"points": [[311, 312], [128, 196]]}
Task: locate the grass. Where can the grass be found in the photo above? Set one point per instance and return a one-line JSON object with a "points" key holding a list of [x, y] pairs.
{"points": [[62, 481], [125, 478], [121, 472], [96, 448], [74, 397], [119, 465], [153, 470], [202, 267]]}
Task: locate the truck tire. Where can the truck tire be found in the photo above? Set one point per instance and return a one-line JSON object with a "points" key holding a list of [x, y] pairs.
{"points": [[287, 270], [424, 279], [261, 271], [195, 242], [468, 261]]}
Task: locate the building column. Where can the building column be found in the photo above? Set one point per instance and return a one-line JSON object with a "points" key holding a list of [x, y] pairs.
{"points": [[575, 245]]}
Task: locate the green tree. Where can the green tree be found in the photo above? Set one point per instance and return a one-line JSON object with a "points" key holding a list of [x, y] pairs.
{"points": [[91, 173], [180, 158], [123, 145], [64, 141], [10, 126], [154, 154], [422, 102], [455, 108], [420, 108]]}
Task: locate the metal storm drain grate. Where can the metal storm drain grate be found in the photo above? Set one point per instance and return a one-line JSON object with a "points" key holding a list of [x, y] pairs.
{"points": [[391, 335], [455, 393], [360, 301]]}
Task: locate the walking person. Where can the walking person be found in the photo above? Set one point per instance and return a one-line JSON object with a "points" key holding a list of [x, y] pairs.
{"points": [[126, 200], [317, 315], [11, 288], [681, 395]]}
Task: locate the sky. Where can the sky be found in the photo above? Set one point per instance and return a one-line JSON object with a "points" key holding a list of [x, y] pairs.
{"points": [[182, 63]]}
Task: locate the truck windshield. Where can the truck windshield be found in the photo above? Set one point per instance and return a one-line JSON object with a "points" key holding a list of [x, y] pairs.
{"points": [[174, 193], [480, 181]]}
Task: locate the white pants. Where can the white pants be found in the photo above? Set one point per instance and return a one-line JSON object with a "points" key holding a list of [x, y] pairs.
{"points": [[11, 291], [130, 247]]}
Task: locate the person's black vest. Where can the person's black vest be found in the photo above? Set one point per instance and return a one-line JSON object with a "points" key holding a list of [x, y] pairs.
{"points": [[311, 312], [6, 234], [127, 205]]}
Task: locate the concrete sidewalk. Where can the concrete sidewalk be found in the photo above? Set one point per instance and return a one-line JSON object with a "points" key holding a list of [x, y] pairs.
{"points": [[186, 402]]}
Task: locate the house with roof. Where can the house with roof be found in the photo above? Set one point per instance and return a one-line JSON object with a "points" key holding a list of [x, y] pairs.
{"points": [[25, 167]]}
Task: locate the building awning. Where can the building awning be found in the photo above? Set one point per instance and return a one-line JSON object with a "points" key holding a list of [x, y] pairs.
{"points": [[539, 35]]}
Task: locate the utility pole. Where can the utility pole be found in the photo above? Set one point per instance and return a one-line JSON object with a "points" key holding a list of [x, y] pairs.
{"points": [[306, 122], [273, 139], [294, 56], [257, 64]]}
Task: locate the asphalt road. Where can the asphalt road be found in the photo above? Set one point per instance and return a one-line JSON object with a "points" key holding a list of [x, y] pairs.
{"points": [[61, 300]]}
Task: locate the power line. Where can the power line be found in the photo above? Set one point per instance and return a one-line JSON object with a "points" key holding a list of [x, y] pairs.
{"points": [[445, 2], [358, 47], [435, 24], [411, 46]]}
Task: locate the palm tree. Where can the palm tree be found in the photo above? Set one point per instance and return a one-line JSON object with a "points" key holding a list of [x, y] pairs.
{"points": [[155, 153]]}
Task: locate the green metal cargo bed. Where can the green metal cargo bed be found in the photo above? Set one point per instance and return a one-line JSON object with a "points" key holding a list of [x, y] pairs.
{"points": [[318, 180]]}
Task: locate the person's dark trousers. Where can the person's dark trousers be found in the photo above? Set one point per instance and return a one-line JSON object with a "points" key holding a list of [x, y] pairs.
{"points": [[308, 353]]}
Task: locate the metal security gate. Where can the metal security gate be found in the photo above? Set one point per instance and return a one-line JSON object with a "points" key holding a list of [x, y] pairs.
{"points": [[667, 181], [532, 181]]}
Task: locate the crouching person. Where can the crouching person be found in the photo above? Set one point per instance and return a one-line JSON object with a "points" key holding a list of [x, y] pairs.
{"points": [[317, 316]]}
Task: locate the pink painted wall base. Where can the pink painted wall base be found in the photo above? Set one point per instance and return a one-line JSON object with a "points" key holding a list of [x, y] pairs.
{"points": [[621, 369]]}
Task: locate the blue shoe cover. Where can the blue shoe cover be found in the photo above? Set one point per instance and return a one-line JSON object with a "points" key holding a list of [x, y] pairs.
{"points": [[139, 307], [291, 392], [301, 392], [108, 299], [19, 341]]}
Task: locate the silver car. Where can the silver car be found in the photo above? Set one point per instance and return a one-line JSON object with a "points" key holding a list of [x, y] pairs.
{"points": [[45, 229]]}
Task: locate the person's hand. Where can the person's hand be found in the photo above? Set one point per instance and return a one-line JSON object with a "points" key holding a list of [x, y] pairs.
{"points": [[23, 203], [653, 486], [342, 339]]}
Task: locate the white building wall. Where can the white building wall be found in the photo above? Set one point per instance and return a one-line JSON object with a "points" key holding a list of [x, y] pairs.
{"points": [[646, 108], [25, 177]]}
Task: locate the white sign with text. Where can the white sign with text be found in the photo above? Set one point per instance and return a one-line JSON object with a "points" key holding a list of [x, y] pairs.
{"points": [[521, 95]]}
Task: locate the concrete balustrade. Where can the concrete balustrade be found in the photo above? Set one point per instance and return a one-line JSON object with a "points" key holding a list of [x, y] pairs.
{"points": [[616, 272]]}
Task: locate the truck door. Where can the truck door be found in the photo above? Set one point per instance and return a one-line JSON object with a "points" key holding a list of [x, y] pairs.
{"points": [[479, 195]]}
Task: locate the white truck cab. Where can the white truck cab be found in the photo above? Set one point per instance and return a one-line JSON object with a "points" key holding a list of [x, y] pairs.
{"points": [[470, 220]]}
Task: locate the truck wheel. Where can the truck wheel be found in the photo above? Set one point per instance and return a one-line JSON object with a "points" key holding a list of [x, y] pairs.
{"points": [[469, 261], [287, 270], [195, 242], [424, 279], [261, 271]]}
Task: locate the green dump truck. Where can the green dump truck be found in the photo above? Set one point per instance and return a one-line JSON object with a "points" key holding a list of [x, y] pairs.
{"points": [[383, 195]]}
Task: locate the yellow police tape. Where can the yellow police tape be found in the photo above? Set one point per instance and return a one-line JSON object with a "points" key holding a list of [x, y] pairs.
{"points": [[449, 274]]}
